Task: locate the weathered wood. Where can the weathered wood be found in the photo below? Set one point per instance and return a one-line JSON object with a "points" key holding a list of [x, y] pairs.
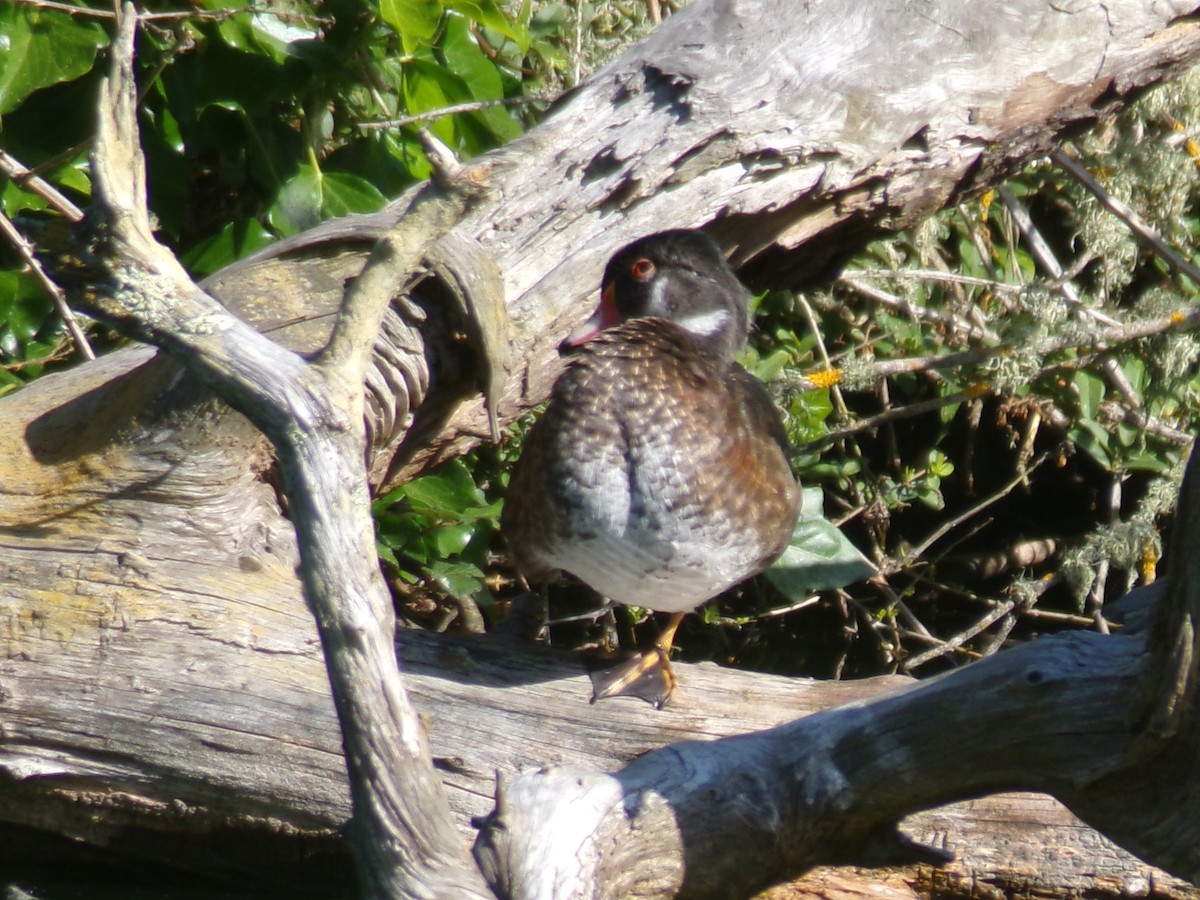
{"points": [[274, 768], [160, 675], [792, 132], [1056, 715], [312, 412]]}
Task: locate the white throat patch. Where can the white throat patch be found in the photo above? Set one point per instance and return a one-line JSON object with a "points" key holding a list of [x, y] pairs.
{"points": [[704, 324]]}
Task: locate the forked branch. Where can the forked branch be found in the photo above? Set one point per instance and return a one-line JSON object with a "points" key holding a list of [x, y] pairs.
{"points": [[402, 828]]}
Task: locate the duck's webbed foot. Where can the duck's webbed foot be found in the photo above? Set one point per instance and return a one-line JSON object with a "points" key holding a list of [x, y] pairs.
{"points": [[647, 675]]}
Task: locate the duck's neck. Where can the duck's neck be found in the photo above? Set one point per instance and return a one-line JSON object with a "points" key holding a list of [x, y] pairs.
{"points": [[721, 332]]}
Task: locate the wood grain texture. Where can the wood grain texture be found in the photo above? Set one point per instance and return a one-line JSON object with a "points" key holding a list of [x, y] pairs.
{"points": [[161, 687], [791, 132], [1055, 715]]}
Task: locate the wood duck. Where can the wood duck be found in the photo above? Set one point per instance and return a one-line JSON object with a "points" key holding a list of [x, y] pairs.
{"points": [[659, 473]]}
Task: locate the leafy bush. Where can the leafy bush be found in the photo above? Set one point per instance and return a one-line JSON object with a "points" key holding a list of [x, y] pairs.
{"points": [[1022, 487]]}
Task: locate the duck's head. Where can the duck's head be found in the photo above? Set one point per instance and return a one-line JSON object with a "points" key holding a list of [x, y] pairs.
{"points": [[681, 276]]}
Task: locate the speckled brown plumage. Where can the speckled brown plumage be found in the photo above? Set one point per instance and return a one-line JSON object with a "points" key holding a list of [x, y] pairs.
{"points": [[658, 474]]}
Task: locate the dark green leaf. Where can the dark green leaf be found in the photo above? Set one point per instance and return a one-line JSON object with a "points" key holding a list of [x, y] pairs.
{"points": [[489, 13], [1135, 371], [1147, 462], [428, 87], [1091, 392], [450, 540], [344, 193], [416, 21], [25, 309], [1090, 437], [446, 492], [43, 47], [457, 578], [231, 243], [481, 78], [311, 196], [298, 205]]}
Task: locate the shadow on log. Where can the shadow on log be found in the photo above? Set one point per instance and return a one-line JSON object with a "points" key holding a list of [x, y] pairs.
{"points": [[1066, 715], [162, 688]]}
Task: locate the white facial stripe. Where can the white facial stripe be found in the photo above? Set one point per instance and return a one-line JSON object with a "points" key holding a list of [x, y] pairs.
{"points": [[706, 323], [658, 300]]}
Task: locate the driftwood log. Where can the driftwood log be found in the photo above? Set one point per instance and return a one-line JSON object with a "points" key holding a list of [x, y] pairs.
{"points": [[163, 691]]}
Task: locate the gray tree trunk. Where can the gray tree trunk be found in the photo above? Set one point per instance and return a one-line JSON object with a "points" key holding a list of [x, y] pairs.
{"points": [[162, 686]]}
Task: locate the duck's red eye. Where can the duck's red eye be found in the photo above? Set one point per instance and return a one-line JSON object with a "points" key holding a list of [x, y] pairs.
{"points": [[642, 269]]}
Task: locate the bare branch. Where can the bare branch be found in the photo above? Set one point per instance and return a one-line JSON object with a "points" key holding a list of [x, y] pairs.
{"points": [[1140, 229], [26, 178], [953, 323], [453, 109], [402, 831], [57, 297]]}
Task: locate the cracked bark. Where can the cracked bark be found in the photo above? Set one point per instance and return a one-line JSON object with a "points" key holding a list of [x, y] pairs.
{"points": [[162, 691]]}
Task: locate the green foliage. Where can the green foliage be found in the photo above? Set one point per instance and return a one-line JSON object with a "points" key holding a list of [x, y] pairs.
{"points": [[256, 125], [43, 47], [819, 556], [437, 529], [1041, 435], [259, 122], [29, 330]]}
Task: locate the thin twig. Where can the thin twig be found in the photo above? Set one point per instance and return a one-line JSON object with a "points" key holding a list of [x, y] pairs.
{"points": [[961, 539], [981, 247], [60, 352], [1094, 603], [57, 297], [894, 414], [954, 323], [991, 643], [1061, 618], [953, 643], [1137, 418], [1096, 342], [889, 432], [999, 287], [24, 177], [70, 8], [205, 15], [1045, 256], [1140, 229], [212, 15], [810, 319], [791, 607], [1033, 424], [878, 628], [577, 49], [973, 419], [880, 583], [454, 109], [948, 526], [1119, 380], [1048, 261]]}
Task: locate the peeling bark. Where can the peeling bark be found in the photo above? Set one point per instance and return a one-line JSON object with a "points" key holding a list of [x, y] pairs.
{"points": [[162, 690]]}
